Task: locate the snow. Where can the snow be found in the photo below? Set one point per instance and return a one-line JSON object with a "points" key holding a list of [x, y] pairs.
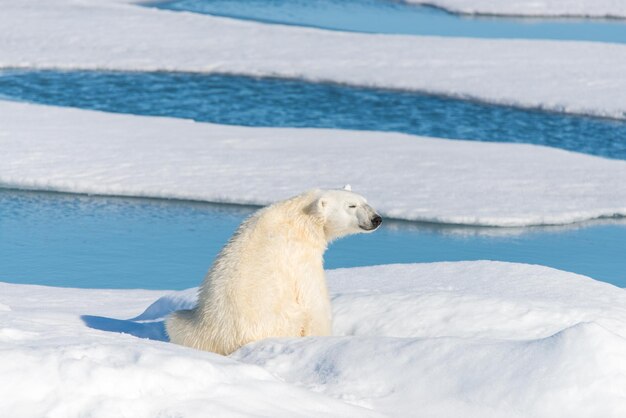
{"points": [[577, 77], [471, 339], [562, 375], [424, 179], [534, 8], [53, 364]]}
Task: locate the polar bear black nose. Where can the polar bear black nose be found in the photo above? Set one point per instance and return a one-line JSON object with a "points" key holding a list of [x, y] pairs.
{"points": [[377, 220]]}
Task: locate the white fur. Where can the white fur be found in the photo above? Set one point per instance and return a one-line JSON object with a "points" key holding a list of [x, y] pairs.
{"points": [[269, 281]]}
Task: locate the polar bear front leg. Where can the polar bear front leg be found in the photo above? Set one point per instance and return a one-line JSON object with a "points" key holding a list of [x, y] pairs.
{"points": [[320, 321], [312, 297], [315, 327], [315, 314]]}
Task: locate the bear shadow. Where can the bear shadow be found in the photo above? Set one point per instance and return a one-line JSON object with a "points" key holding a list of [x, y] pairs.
{"points": [[154, 330], [149, 324]]}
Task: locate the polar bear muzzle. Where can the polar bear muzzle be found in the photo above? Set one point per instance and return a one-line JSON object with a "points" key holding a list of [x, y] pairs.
{"points": [[372, 221]]}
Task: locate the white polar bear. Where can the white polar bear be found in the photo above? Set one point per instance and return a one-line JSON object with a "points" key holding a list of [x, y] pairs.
{"points": [[268, 281]]}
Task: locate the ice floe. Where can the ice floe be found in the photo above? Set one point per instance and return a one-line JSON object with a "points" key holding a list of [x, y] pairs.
{"points": [[577, 77], [403, 176], [470, 339], [535, 8]]}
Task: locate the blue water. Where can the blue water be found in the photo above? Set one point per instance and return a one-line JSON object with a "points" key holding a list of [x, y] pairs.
{"points": [[107, 242], [386, 16], [290, 103]]}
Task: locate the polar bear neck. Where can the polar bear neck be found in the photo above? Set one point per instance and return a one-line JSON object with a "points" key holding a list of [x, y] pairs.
{"points": [[282, 231], [292, 219]]}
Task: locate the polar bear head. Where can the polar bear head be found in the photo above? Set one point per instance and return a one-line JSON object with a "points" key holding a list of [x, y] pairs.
{"points": [[344, 212]]}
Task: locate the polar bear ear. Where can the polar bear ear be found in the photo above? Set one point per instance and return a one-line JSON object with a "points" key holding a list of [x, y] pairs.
{"points": [[318, 207], [347, 188], [321, 204]]}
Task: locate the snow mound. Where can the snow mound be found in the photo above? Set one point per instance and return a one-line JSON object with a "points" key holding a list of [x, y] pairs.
{"points": [[535, 8], [430, 300], [58, 361], [423, 179], [133, 379], [576, 77], [481, 339], [565, 374], [185, 299]]}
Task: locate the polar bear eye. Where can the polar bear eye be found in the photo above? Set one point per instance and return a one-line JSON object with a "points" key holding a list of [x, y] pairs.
{"points": [[352, 206]]}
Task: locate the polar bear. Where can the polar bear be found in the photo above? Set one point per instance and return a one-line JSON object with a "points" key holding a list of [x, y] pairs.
{"points": [[268, 281]]}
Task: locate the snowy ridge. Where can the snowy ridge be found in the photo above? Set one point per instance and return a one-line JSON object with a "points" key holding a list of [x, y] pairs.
{"points": [[475, 339], [576, 77], [535, 8], [517, 379], [424, 179]]}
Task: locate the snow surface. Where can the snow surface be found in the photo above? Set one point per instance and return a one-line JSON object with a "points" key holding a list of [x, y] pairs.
{"points": [[536, 8], [403, 176], [54, 365], [471, 339], [578, 77]]}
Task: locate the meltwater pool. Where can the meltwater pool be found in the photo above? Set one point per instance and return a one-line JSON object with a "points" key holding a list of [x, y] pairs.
{"points": [[397, 17], [109, 242], [277, 102]]}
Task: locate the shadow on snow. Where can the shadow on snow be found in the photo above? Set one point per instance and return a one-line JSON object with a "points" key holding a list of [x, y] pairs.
{"points": [[151, 322], [152, 330]]}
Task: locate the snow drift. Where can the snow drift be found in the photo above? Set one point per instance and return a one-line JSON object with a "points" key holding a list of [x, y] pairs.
{"points": [[472, 339]]}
